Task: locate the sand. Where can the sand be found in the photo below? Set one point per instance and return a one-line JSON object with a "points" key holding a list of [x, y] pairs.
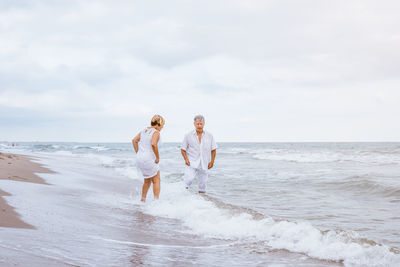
{"points": [[22, 169]]}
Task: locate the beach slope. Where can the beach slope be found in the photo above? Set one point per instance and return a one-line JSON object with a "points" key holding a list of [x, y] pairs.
{"points": [[22, 169]]}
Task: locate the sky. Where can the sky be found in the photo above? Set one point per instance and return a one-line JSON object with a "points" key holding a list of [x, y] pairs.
{"points": [[259, 71]]}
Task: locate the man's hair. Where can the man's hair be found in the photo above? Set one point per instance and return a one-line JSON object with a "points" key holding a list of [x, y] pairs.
{"points": [[199, 117]]}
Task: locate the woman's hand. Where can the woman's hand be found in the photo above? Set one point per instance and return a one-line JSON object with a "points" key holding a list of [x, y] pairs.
{"points": [[154, 146], [187, 162], [135, 142]]}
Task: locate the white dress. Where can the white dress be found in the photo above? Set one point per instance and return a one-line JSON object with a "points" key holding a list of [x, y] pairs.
{"points": [[145, 158]]}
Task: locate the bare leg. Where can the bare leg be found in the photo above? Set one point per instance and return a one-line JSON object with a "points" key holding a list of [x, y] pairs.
{"points": [[156, 185], [145, 188]]}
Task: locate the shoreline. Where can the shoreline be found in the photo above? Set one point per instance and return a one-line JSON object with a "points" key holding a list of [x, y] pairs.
{"points": [[18, 168]]}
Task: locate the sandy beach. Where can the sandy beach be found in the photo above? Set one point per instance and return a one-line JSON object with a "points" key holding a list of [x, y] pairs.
{"points": [[22, 169], [19, 168]]}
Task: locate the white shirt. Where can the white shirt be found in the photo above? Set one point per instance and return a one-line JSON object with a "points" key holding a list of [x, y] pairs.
{"points": [[199, 153]]}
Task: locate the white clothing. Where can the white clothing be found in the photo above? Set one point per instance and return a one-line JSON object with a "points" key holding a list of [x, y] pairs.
{"points": [[199, 153], [202, 177], [145, 157]]}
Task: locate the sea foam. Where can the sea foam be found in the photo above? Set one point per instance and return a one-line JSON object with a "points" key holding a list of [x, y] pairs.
{"points": [[202, 217]]}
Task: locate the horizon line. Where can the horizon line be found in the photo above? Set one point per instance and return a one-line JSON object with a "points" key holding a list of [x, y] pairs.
{"points": [[121, 142]]}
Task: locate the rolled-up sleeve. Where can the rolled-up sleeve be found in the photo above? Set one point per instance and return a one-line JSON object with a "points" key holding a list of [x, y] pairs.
{"points": [[184, 145], [213, 143]]}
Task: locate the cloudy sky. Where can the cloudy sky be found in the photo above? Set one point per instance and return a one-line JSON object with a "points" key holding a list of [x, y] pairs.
{"points": [[257, 70]]}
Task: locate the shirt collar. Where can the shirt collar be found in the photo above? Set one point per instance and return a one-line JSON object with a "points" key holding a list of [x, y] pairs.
{"points": [[195, 133]]}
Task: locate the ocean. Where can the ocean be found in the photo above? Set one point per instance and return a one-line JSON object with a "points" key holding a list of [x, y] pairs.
{"points": [[267, 204]]}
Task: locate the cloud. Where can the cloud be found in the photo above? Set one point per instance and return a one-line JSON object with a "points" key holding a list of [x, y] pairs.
{"points": [[258, 70]]}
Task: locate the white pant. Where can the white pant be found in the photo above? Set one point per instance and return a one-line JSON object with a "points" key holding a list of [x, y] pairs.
{"points": [[191, 173]]}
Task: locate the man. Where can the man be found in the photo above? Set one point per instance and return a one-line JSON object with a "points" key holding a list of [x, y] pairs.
{"points": [[199, 150]]}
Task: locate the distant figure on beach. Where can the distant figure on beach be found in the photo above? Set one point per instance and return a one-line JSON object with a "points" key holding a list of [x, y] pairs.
{"points": [[198, 150], [145, 144]]}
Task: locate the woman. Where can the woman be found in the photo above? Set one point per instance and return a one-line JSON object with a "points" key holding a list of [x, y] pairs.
{"points": [[147, 156]]}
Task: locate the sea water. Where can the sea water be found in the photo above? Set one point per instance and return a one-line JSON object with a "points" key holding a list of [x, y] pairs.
{"points": [[267, 204]]}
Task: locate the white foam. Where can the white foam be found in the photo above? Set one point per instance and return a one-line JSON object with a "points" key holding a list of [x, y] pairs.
{"points": [[103, 159], [63, 153], [100, 148], [203, 217], [130, 172], [5, 145], [324, 156], [161, 245]]}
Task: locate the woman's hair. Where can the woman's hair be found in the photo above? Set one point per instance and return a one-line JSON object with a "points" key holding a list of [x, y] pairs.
{"points": [[157, 120]]}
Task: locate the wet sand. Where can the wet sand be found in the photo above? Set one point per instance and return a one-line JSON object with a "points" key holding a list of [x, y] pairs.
{"points": [[22, 169], [14, 257]]}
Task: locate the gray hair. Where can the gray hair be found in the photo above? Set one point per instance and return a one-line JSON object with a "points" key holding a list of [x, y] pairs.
{"points": [[199, 117]]}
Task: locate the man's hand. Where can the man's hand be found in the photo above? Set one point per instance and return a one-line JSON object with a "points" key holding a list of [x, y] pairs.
{"points": [[157, 160], [210, 165], [183, 152]]}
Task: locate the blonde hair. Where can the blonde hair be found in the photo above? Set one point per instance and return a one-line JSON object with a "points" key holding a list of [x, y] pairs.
{"points": [[157, 120]]}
